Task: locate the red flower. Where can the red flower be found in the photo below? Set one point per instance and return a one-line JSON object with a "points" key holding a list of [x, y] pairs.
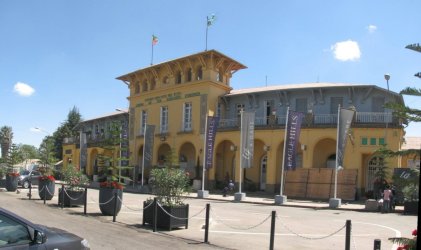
{"points": [[400, 248], [414, 232], [111, 184], [47, 178]]}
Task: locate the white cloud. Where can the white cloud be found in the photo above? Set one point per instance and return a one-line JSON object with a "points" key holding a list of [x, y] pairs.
{"points": [[371, 28], [23, 89], [346, 51]]}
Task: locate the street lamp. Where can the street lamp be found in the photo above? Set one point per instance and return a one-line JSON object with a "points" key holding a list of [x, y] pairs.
{"points": [[387, 78], [46, 141]]}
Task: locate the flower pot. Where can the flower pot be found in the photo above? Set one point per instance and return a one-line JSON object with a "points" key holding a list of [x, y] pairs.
{"points": [[46, 189], [107, 202], [11, 183], [410, 207], [71, 197], [179, 216]]}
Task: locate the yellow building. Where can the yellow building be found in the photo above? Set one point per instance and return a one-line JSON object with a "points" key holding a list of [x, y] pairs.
{"points": [[179, 94]]}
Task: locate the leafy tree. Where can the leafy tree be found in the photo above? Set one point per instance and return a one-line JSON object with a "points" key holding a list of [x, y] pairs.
{"points": [[46, 151], [6, 137], [28, 151]]}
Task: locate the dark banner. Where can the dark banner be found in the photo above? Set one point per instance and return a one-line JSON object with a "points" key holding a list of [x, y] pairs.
{"points": [[292, 130], [148, 145], [344, 123], [211, 127], [247, 139], [83, 151]]}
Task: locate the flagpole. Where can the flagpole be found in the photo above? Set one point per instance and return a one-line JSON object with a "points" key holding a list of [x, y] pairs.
{"points": [[204, 154], [144, 146], [283, 157], [152, 53], [337, 156], [241, 152], [207, 27]]}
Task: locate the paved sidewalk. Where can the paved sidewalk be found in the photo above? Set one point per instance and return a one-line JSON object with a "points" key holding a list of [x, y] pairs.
{"points": [[267, 199]]}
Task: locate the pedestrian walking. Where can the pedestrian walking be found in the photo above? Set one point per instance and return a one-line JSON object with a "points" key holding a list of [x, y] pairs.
{"points": [[387, 196]]}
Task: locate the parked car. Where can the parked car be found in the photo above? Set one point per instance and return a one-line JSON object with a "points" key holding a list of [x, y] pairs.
{"points": [[28, 176], [19, 233]]}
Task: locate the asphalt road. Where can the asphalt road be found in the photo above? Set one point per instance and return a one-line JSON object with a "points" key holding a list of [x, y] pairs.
{"points": [[233, 225]]}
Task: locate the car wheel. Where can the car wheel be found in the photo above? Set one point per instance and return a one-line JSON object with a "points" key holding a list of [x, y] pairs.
{"points": [[26, 184]]}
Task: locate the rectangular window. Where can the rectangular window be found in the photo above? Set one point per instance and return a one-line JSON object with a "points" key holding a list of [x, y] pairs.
{"points": [[187, 116], [164, 120], [364, 141], [381, 141], [373, 141], [143, 120], [301, 105]]}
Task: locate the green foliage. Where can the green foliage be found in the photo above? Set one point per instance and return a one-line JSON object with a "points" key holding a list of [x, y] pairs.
{"points": [[14, 157], [408, 184], [6, 137], [74, 178], [169, 184], [114, 145], [46, 151]]}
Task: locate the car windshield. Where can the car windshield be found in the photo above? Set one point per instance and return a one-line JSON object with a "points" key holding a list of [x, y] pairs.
{"points": [[24, 172]]}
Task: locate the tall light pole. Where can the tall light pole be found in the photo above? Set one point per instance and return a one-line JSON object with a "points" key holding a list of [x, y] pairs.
{"points": [[387, 78], [46, 142], [121, 138]]}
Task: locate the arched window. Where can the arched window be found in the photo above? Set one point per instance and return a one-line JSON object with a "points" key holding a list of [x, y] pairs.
{"points": [[145, 85], [199, 73], [165, 80], [153, 84], [178, 78], [189, 75], [136, 88]]}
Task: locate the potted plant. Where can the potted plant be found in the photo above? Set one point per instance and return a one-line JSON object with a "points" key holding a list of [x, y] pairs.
{"points": [[169, 184], [46, 184], [406, 243], [12, 176], [72, 193], [115, 160]]}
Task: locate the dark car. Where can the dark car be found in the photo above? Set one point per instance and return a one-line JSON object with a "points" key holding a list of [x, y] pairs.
{"points": [[19, 233], [27, 176]]}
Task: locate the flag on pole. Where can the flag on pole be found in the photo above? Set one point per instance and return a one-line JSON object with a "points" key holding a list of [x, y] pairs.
{"points": [[292, 130], [154, 40], [148, 145], [247, 139], [211, 127], [344, 123], [210, 19]]}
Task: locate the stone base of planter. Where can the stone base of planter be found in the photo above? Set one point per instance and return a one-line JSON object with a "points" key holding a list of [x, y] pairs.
{"points": [[71, 198], [179, 216]]}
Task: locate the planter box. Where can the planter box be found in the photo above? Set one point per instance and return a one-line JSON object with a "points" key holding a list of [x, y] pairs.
{"points": [[71, 198], [11, 183], [372, 205], [46, 189], [164, 220], [410, 207], [107, 202]]}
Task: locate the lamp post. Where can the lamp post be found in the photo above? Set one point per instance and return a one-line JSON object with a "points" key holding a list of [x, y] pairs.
{"points": [[387, 78], [121, 140]]}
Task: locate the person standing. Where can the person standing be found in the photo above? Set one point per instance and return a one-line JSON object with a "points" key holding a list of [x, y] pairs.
{"points": [[387, 196]]}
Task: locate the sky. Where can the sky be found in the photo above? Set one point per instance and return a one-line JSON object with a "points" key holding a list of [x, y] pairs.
{"points": [[60, 54]]}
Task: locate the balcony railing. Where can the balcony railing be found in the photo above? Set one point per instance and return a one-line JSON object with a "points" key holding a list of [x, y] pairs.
{"points": [[313, 120]]}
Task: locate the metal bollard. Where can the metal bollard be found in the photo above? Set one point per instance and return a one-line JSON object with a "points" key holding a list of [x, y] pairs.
{"points": [[115, 205], [62, 196], [45, 194], [85, 201], [272, 230], [348, 235], [377, 244], [30, 191], [155, 214], [207, 223]]}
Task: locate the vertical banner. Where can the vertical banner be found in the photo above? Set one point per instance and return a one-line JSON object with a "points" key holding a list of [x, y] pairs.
{"points": [[211, 127], [344, 123], [124, 144], [292, 130], [247, 139], [83, 151], [148, 145]]}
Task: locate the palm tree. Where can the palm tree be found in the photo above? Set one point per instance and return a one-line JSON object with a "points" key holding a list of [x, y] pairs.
{"points": [[6, 136]]}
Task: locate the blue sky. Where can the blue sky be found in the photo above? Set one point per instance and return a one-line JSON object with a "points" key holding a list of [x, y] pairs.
{"points": [[56, 54]]}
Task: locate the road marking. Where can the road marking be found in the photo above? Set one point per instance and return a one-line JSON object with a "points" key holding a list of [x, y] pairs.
{"points": [[397, 232], [288, 234]]}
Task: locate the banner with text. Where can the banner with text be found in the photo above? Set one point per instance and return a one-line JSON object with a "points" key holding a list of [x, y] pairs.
{"points": [[344, 123], [211, 127], [148, 145], [292, 130], [247, 139]]}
